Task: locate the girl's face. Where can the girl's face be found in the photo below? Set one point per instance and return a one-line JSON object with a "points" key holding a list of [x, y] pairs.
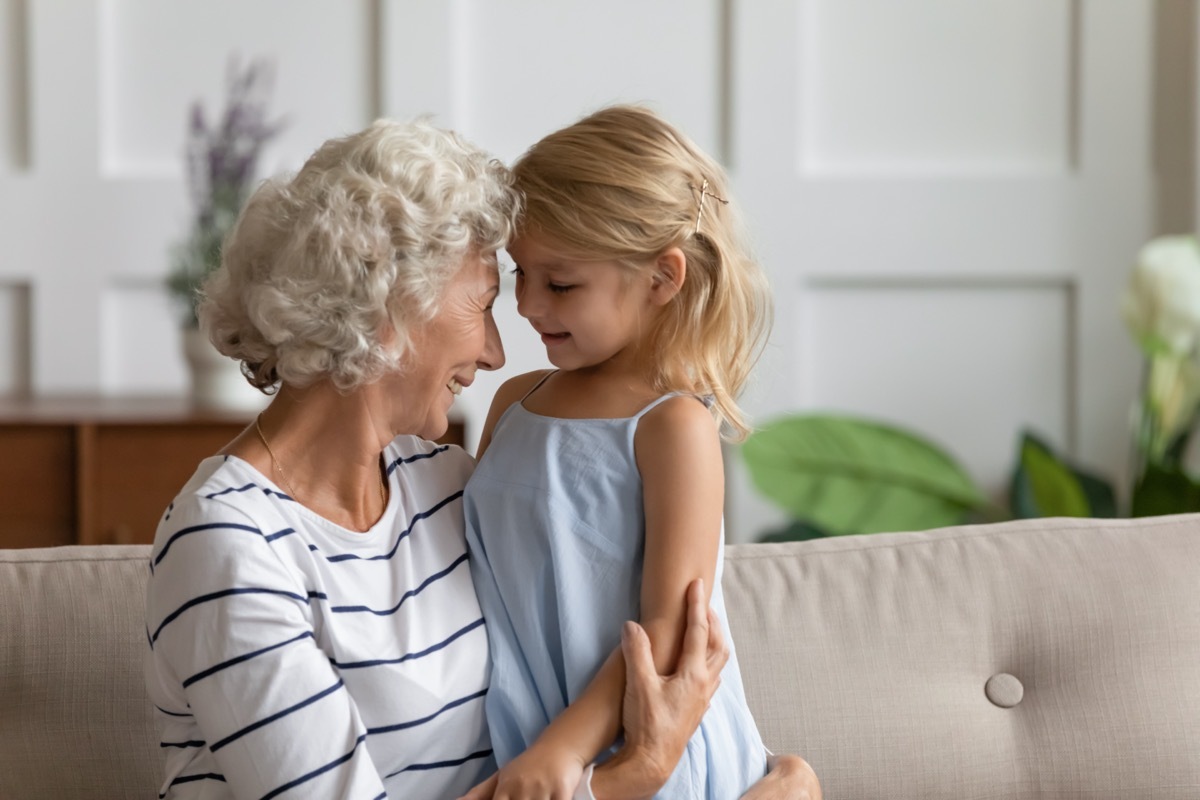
{"points": [[589, 313]]}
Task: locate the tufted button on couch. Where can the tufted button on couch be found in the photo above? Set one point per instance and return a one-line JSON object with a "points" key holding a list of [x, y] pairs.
{"points": [[1038, 659]]}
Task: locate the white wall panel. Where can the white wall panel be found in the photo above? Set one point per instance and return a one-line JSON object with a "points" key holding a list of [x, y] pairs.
{"points": [[157, 58], [14, 89], [937, 86], [946, 360], [507, 73], [140, 343], [14, 338], [420, 74], [530, 67]]}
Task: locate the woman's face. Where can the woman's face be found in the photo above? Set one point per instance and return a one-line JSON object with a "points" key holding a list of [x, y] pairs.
{"points": [[447, 350]]}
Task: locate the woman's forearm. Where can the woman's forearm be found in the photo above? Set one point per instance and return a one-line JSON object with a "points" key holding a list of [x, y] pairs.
{"points": [[627, 776]]}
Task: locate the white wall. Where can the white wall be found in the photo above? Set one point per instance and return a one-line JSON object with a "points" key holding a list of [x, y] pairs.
{"points": [[947, 195]]}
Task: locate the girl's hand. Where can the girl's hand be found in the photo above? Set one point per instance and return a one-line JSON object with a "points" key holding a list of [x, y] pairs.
{"points": [[790, 778], [543, 772]]}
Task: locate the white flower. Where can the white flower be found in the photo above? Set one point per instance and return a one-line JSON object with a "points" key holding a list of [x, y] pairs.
{"points": [[1162, 304], [1172, 392]]}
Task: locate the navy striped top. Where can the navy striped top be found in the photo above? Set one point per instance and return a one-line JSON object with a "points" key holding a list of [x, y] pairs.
{"points": [[290, 657]]}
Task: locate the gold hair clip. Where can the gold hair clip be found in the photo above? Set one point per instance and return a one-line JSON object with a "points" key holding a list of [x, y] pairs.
{"points": [[700, 211]]}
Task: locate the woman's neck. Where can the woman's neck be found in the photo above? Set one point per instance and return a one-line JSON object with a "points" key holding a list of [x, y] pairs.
{"points": [[323, 447]]}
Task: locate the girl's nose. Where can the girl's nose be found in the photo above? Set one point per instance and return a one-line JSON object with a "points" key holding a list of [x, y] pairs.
{"points": [[527, 305]]}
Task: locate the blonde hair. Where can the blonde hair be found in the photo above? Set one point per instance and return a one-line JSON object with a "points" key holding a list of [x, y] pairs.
{"points": [[624, 185], [369, 231]]}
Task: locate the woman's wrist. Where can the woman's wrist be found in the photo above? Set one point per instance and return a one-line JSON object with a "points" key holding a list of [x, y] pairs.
{"points": [[629, 775]]}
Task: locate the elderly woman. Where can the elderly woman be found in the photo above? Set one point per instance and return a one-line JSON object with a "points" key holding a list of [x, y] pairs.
{"points": [[312, 627]]}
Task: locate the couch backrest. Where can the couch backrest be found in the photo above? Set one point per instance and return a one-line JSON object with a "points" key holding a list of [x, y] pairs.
{"points": [[883, 659], [880, 658], [74, 718]]}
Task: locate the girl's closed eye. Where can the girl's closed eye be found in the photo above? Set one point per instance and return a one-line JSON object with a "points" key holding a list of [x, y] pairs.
{"points": [[556, 288]]}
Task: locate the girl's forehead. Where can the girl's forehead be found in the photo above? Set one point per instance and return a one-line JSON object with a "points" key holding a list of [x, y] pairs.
{"points": [[529, 251], [536, 251]]}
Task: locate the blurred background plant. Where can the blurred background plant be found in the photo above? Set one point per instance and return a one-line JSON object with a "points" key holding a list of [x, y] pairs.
{"points": [[1161, 308], [222, 163], [839, 475]]}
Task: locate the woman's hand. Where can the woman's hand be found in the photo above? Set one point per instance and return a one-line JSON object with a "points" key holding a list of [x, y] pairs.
{"points": [[661, 712], [790, 778]]}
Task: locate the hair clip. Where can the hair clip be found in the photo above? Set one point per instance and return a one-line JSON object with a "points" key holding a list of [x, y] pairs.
{"points": [[700, 210]]}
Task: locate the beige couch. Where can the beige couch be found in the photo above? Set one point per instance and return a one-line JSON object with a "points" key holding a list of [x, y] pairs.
{"points": [[1047, 659]]}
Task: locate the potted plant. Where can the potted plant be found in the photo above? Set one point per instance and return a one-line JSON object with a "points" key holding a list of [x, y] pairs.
{"points": [[1161, 307], [222, 163]]}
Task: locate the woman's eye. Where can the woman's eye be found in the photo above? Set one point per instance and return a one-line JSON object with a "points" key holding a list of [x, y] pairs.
{"points": [[558, 288]]}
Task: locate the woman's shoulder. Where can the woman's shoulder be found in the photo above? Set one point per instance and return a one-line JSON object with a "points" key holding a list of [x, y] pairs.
{"points": [[414, 448], [222, 489], [221, 525], [417, 456]]}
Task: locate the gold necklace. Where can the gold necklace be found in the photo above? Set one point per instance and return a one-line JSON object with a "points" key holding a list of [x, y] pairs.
{"points": [[274, 461], [278, 465]]}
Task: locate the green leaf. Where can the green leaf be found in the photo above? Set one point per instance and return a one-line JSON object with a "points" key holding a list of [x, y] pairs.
{"points": [[849, 475], [796, 531], [1047, 487], [1164, 490], [1102, 500], [1043, 486]]}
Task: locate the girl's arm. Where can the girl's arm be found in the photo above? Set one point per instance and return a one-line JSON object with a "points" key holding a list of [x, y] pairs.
{"points": [[678, 451], [678, 454]]}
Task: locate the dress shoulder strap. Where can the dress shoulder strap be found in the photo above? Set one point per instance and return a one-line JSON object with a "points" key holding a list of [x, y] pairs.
{"points": [[655, 403], [537, 385]]}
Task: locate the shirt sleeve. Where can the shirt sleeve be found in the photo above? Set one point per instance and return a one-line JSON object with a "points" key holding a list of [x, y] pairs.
{"points": [[233, 646], [584, 790]]}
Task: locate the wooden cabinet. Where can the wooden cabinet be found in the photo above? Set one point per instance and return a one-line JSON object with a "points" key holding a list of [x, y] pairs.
{"points": [[89, 470]]}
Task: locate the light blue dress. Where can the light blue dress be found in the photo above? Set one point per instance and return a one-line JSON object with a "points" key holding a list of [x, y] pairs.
{"points": [[555, 533]]}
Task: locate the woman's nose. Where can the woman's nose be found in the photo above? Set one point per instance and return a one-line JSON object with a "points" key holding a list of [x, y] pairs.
{"points": [[492, 357]]}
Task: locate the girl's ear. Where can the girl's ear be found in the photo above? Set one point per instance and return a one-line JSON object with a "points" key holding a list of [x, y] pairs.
{"points": [[670, 271]]}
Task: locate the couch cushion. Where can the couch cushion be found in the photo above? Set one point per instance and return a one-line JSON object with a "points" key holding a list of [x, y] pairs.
{"points": [[870, 656], [74, 717]]}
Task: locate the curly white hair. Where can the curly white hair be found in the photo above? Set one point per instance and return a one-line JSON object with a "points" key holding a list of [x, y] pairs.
{"points": [[367, 233]]}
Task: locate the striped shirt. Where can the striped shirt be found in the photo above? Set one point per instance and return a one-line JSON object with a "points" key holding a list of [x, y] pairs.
{"points": [[290, 657]]}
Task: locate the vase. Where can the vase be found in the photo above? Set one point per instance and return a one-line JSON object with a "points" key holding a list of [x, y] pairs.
{"points": [[217, 382]]}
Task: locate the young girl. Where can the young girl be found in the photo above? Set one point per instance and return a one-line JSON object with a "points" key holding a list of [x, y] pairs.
{"points": [[599, 490]]}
